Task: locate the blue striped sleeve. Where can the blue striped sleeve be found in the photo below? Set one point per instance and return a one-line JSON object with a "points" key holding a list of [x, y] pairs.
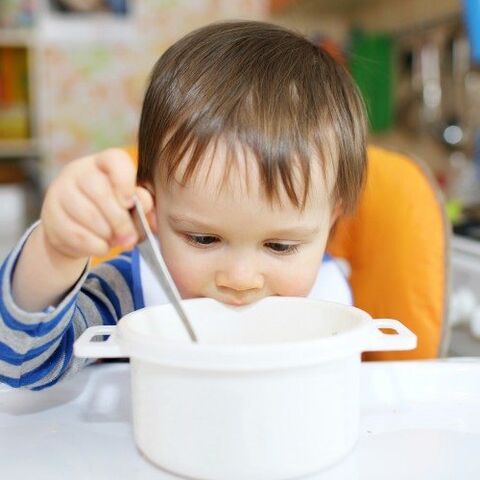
{"points": [[36, 347]]}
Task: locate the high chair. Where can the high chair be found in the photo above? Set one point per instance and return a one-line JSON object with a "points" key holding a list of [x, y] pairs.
{"points": [[397, 248]]}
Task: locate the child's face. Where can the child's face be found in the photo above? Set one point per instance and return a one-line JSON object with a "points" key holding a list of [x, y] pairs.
{"points": [[233, 245]]}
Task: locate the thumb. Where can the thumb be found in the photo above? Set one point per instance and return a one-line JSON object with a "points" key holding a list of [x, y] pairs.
{"points": [[147, 202]]}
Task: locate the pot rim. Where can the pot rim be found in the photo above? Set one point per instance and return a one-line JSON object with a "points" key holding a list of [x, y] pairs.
{"points": [[251, 356]]}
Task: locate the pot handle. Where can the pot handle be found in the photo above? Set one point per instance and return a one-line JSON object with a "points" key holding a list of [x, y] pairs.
{"points": [[378, 341], [110, 348]]}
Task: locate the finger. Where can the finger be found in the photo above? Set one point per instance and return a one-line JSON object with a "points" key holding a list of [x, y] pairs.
{"points": [[99, 190], [83, 211], [117, 165], [71, 238], [146, 199]]}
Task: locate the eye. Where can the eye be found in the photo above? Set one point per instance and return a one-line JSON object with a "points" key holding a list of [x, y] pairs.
{"points": [[201, 240], [282, 248]]}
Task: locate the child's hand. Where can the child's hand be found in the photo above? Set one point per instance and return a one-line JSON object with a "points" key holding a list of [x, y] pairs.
{"points": [[86, 209]]}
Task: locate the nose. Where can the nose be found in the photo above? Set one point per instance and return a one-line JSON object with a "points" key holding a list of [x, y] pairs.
{"points": [[240, 275]]}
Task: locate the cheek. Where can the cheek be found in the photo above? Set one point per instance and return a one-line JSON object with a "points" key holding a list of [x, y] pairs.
{"points": [[189, 279], [296, 279], [183, 269], [190, 273], [294, 286]]}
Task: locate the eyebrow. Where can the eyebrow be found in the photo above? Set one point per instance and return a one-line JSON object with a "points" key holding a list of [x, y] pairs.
{"points": [[190, 222], [300, 231], [294, 231]]}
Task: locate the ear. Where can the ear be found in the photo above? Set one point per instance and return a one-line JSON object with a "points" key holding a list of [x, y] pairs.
{"points": [[337, 212]]}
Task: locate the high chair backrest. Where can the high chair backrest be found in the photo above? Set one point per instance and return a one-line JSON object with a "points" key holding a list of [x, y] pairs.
{"points": [[398, 250], [396, 245]]}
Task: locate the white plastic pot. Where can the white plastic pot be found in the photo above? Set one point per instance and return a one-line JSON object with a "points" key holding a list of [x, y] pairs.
{"points": [[271, 391]]}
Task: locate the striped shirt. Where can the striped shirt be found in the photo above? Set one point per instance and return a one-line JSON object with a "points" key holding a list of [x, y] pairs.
{"points": [[36, 348]]}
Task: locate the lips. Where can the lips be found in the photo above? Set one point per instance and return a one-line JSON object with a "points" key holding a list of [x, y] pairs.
{"points": [[237, 301]]}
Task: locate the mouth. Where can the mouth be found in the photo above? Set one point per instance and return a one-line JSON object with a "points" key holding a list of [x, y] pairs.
{"points": [[236, 301]]}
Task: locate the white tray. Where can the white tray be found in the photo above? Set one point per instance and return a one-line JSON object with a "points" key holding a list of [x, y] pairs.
{"points": [[420, 420]]}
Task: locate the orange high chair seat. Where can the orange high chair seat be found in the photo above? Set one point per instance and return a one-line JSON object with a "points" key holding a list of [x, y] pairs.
{"points": [[396, 245]]}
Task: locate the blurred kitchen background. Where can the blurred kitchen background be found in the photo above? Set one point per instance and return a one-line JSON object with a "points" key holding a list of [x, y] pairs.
{"points": [[73, 72]]}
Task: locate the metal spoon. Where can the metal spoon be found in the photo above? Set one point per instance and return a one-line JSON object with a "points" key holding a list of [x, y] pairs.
{"points": [[161, 271]]}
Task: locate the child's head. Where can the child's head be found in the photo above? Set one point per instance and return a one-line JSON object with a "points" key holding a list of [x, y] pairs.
{"points": [[253, 141]]}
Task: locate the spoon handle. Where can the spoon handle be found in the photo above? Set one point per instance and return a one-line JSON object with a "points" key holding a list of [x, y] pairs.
{"points": [[161, 271]]}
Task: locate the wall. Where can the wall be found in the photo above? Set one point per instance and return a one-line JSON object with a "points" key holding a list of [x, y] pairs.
{"points": [[93, 76]]}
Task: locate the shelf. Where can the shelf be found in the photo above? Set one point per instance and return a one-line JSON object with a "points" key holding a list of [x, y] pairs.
{"points": [[19, 148], [393, 16], [316, 8], [16, 37]]}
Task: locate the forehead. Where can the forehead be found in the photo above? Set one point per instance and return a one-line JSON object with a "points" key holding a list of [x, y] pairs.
{"points": [[231, 174]]}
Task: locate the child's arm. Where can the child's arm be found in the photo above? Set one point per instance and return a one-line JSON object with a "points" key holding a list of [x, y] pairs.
{"points": [[85, 213], [46, 300], [36, 348]]}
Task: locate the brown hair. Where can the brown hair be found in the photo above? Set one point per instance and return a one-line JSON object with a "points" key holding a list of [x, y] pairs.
{"points": [[263, 87]]}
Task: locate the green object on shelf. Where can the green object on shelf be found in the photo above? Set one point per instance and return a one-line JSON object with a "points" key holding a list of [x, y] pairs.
{"points": [[371, 65], [454, 210]]}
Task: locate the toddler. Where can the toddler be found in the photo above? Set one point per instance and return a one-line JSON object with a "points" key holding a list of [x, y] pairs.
{"points": [[251, 144]]}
